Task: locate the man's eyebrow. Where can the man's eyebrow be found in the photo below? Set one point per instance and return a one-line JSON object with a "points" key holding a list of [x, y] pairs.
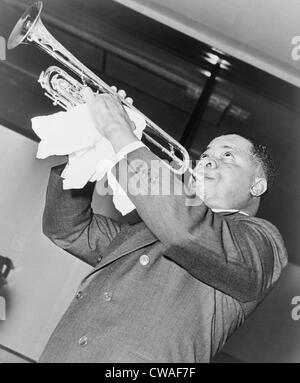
{"points": [[229, 147], [224, 147]]}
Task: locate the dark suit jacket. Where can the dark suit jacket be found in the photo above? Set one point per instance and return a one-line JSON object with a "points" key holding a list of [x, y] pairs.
{"points": [[171, 288]]}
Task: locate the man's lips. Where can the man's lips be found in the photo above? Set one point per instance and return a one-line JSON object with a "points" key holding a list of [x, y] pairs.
{"points": [[207, 177], [203, 175]]}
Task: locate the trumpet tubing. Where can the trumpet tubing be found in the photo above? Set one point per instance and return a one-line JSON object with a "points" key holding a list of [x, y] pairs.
{"points": [[64, 90]]}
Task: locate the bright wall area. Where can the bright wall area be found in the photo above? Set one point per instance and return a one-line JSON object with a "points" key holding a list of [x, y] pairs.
{"points": [[45, 278]]}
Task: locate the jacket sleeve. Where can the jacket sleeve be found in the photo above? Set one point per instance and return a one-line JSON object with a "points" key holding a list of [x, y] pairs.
{"points": [[70, 223], [232, 257]]}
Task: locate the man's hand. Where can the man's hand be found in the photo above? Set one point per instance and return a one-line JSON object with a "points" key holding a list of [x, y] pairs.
{"points": [[110, 117]]}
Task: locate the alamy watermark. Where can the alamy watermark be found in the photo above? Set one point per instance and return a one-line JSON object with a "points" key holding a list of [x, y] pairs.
{"points": [[2, 308], [141, 178], [296, 50], [2, 48], [295, 313]]}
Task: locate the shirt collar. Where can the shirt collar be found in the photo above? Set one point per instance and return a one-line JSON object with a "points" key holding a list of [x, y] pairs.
{"points": [[229, 211]]}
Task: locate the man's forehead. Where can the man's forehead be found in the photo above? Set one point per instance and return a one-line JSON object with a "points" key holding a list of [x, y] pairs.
{"points": [[230, 141]]}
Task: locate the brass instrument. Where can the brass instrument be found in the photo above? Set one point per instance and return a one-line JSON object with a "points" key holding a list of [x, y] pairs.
{"points": [[64, 90]]}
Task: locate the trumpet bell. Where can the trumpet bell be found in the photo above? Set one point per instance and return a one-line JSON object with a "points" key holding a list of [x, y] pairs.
{"points": [[25, 25]]}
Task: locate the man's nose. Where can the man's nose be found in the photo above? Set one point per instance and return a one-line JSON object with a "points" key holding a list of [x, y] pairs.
{"points": [[209, 163]]}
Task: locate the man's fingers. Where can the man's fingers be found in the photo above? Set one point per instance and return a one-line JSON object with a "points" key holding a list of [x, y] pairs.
{"points": [[87, 94], [122, 93], [129, 100]]}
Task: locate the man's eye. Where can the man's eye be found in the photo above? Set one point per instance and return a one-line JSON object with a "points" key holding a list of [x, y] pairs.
{"points": [[228, 154], [204, 155]]}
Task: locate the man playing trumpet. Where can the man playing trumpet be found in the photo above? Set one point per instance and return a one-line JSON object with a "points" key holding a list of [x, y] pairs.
{"points": [[175, 286]]}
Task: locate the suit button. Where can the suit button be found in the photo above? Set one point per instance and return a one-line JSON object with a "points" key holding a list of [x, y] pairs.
{"points": [[107, 296], [144, 260], [79, 295], [83, 341]]}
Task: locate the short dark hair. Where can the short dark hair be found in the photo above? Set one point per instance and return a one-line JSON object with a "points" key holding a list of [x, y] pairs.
{"points": [[263, 156]]}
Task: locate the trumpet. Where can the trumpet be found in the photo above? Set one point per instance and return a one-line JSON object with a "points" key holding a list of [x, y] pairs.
{"points": [[65, 91]]}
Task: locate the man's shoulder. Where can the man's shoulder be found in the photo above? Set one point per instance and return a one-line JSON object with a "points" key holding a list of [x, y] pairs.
{"points": [[262, 228], [256, 223]]}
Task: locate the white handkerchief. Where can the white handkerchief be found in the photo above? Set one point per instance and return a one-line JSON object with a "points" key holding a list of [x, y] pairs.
{"points": [[138, 121], [120, 199], [91, 156], [81, 168], [65, 132]]}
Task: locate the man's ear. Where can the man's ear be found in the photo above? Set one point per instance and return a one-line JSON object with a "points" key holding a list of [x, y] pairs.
{"points": [[259, 187]]}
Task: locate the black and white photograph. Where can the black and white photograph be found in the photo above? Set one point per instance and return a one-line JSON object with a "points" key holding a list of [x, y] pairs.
{"points": [[150, 190]]}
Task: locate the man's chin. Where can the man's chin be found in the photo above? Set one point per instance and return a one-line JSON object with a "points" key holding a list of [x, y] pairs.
{"points": [[202, 190], [202, 195]]}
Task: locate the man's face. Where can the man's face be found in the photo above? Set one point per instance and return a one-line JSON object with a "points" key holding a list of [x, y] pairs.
{"points": [[226, 172]]}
